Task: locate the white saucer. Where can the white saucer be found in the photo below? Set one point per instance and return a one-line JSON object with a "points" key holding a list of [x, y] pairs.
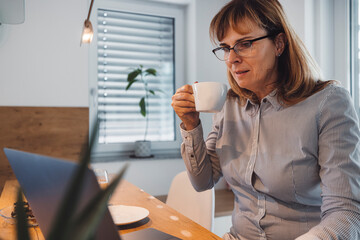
{"points": [[122, 214]]}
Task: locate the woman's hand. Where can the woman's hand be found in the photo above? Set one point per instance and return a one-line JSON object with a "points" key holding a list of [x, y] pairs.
{"points": [[183, 103]]}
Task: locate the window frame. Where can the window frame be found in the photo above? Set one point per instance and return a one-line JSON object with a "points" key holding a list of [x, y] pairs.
{"points": [[141, 7], [354, 52]]}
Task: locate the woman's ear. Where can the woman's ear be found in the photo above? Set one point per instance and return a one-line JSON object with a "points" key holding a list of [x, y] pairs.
{"points": [[280, 42]]}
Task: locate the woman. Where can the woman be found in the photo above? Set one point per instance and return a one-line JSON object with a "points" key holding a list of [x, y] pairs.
{"points": [[286, 142]]}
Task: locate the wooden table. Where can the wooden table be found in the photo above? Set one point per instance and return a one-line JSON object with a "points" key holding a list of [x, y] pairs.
{"points": [[161, 217]]}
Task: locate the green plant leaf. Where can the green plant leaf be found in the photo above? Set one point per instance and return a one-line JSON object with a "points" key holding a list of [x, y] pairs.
{"points": [[142, 106], [130, 83], [21, 219], [85, 225], [152, 92], [70, 201], [151, 71], [134, 74]]}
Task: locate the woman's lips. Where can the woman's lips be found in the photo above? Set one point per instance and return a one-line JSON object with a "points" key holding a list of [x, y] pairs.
{"points": [[241, 73]]}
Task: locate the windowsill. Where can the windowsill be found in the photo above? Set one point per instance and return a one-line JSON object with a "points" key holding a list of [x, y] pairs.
{"points": [[128, 157]]}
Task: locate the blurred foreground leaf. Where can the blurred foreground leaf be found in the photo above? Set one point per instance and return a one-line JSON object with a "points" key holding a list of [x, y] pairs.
{"points": [[21, 219]]}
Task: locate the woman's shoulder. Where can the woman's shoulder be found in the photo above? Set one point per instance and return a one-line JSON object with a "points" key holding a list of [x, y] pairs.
{"points": [[335, 91], [332, 92], [335, 100], [332, 98]]}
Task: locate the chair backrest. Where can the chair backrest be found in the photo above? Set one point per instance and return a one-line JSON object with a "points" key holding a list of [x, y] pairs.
{"points": [[198, 206]]}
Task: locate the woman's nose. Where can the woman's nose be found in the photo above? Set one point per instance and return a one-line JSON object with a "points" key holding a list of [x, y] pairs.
{"points": [[233, 57]]}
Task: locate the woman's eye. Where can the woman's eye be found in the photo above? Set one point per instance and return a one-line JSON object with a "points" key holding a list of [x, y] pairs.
{"points": [[245, 44], [225, 49]]}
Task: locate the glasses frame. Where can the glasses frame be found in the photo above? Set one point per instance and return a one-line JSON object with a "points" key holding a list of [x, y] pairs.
{"points": [[233, 48]]}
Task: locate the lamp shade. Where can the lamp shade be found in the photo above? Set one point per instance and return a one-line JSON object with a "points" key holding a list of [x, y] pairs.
{"points": [[87, 33], [12, 11]]}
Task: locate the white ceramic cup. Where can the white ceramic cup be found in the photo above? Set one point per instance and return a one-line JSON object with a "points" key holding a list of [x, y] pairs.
{"points": [[209, 96], [102, 177]]}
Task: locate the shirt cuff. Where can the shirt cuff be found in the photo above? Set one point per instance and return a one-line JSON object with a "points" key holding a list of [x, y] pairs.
{"points": [[192, 137]]}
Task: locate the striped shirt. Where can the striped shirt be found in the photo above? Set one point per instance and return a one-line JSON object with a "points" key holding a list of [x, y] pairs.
{"points": [[294, 171]]}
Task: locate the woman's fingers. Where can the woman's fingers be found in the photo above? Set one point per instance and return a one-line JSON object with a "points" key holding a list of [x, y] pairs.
{"points": [[183, 96], [183, 107], [181, 111], [183, 103], [185, 89]]}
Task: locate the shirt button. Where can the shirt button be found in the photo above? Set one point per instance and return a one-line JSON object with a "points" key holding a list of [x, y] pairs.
{"points": [[192, 155]]}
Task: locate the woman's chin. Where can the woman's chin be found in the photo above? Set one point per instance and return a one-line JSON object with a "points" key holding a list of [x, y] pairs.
{"points": [[243, 84]]}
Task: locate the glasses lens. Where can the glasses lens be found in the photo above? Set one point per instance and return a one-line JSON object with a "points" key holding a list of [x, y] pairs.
{"points": [[220, 54], [243, 48]]}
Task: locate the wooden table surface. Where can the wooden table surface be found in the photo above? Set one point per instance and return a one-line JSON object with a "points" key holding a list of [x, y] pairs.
{"points": [[161, 217]]}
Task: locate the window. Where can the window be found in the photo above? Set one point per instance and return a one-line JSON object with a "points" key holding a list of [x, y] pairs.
{"points": [[355, 51], [126, 40], [126, 36]]}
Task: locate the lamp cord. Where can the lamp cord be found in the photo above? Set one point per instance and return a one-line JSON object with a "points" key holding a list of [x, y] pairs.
{"points": [[91, 4]]}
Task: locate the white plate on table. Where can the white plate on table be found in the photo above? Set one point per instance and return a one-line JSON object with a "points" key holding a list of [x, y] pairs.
{"points": [[123, 214]]}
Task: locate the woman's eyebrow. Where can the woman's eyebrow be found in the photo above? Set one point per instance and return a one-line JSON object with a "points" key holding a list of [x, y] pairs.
{"points": [[238, 40], [223, 45], [244, 39]]}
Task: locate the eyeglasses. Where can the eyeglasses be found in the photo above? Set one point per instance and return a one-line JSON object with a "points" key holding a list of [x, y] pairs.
{"points": [[242, 48]]}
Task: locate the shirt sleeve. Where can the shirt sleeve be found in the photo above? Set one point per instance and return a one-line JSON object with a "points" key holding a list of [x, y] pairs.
{"points": [[339, 163], [202, 163]]}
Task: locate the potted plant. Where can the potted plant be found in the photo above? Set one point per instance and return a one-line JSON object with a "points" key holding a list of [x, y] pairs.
{"points": [[143, 147]]}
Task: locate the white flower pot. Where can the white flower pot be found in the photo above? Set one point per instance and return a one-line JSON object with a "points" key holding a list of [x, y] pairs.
{"points": [[143, 149]]}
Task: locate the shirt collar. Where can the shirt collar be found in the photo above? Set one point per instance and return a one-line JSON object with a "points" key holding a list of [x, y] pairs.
{"points": [[249, 105], [271, 98]]}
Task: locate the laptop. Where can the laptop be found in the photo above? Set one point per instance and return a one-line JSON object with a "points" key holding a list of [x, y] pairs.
{"points": [[44, 181]]}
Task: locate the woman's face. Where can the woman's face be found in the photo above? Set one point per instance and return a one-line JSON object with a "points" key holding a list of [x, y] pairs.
{"points": [[258, 70]]}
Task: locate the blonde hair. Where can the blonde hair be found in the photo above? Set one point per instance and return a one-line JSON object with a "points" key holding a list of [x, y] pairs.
{"points": [[299, 75]]}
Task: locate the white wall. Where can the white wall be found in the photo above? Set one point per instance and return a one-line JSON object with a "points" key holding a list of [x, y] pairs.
{"points": [[42, 64], [323, 26]]}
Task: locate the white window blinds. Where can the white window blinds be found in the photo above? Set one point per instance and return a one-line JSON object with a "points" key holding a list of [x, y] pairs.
{"points": [[125, 41]]}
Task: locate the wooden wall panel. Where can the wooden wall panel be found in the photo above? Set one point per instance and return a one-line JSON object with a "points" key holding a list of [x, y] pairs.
{"points": [[55, 131]]}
